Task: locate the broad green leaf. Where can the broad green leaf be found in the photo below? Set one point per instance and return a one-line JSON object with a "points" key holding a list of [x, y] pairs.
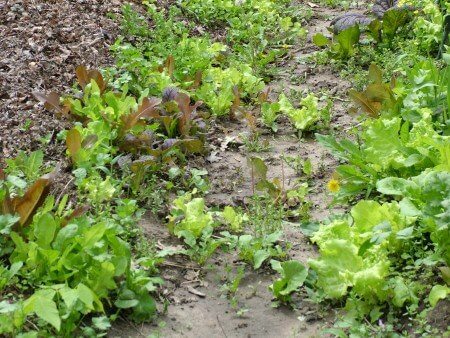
{"points": [[146, 307], [85, 295], [406, 233], [73, 143], [7, 307], [126, 303], [393, 20], [375, 74], [338, 263], [259, 168], [17, 181], [66, 233], [41, 303], [93, 235], [259, 258], [396, 186], [437, 293], [304, 117], [293, 275], [45, 229], [101, 323], [320, 40], [370, 280], [69, 296], [347, 39], [408, 208], [14, 269]]}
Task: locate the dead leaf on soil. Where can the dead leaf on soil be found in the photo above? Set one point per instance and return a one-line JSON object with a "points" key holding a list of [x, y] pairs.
{"points": [[196, 292], [212, 158]]}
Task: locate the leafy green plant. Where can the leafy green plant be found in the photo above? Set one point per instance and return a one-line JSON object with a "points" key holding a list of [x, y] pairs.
{"points": [[300, 165], [149, 130], [233, 219], [306, 117], [256, 29], [390, 17], [403, 141], [292, 276], [427, 198], [377, 95], [27, 167], [270, 111], [190, 220], [258, 249], [366, 259], [346, 40], [231, 287], [72, 264]]}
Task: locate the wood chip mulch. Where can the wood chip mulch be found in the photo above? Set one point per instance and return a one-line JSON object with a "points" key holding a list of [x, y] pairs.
{"points": [[41, 43]]}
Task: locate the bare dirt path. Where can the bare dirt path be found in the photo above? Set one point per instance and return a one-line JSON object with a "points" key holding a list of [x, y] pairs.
{"points": [[209, 313]]}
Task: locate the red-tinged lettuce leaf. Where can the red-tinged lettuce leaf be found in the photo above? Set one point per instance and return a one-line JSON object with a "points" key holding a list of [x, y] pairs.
{"points": [[349, 20], [132, 143], [79, 211], [51, 102], [84, 77], [169, 143], [170, 65], [35, 195], [187, 112], [73, 143], [361, 100], [264, 95], [375, 95], [169, 94], [236, 105], [379, 92], [144, 161], [197, 80], [375, 74], [147, 109]]}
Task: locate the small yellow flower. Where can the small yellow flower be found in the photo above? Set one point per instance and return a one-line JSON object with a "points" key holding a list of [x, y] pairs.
{"points": [[333, 185]]}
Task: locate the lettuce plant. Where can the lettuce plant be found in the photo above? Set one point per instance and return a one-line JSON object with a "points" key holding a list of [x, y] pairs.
{"points": [[303, 118]]}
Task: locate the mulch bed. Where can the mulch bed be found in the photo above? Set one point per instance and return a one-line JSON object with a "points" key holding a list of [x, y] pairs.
{"points": [[41, 43]]}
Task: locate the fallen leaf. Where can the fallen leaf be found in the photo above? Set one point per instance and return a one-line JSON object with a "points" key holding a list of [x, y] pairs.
{"points": [[196, 292]]}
